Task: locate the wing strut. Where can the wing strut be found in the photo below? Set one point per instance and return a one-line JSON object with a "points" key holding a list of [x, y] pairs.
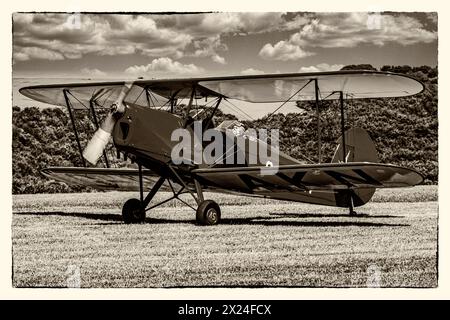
{"points": [[208, 121], [173, 100], [319, 144], [341, 102], [188, 108], [69, 107], [147, 96], [344, 152]]}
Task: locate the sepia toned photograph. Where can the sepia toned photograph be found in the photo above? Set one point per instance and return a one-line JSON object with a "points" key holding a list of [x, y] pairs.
{"points": [[225, 150]]}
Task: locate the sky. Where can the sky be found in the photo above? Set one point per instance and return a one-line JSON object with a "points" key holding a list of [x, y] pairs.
{"points": [[119, 46]]}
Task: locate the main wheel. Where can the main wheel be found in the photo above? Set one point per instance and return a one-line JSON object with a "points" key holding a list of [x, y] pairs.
{"points": [[132, 211], [208, 213]]}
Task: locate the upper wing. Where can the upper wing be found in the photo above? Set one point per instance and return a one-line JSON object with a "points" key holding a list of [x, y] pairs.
{"points": [[256, 88], [80, 94], [330, 176], [278, 88], [102, 178], [142, 92]]}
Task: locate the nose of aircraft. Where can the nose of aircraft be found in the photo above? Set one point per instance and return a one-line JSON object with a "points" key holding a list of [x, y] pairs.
{"points": [[100, 139]]}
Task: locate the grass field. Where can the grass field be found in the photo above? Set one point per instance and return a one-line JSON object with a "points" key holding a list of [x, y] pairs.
{"points": [[259, 243]]}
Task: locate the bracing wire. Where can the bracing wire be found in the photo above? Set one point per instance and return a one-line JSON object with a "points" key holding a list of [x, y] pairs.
{"points": [[107, 97], [139, 96], [289, 98], [237, 109]]}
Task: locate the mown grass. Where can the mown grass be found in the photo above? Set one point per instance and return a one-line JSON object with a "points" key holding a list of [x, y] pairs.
{"points": [[263, 243], [116, 199]]}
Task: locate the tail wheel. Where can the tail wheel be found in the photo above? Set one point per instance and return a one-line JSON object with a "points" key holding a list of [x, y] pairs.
{"points": [[208, 213], [132, 211]]}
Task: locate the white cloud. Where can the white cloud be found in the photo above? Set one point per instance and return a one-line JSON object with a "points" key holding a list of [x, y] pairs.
{"points": [[162, 52], [332, 30], [297, 21], [109, 34], [283, 51], [208, 47], [92, 72], [98, 34], [321, 67], [218, 59], [352, 29], [202, 35], [251, 71], [259, 22], [213, 24], [164, 66], [20, 56], [174, 36], [28, 53], [142, 32]]}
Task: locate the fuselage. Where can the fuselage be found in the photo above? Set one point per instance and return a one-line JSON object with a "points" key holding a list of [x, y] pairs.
{"points": [[145, 135]]}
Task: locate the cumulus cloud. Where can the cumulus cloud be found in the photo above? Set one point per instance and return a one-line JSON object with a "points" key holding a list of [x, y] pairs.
{"points": [[94, 72], [97, 34], [321, 67], [66, 36], [333, 30], [218, 59], [251, 71], [352, 29], [284, 51], [213, 24], [174, 36], [164, 66], [208, 47], [142, 33], [28, 53]]}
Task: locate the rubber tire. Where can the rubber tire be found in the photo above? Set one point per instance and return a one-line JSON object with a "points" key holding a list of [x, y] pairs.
{"points": [[132, 211], [204, 215]]}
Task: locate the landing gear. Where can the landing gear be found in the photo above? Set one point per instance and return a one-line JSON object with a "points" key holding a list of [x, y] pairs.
{"points": [[208, 213], [350, 205], [133, 212]]}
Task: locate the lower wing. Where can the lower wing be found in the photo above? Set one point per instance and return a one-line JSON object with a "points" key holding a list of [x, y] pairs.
{"points": [[327, 184], [122, 179]]}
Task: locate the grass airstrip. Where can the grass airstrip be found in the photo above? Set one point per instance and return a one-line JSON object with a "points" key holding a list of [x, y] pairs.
{"points": [[259, 243]]}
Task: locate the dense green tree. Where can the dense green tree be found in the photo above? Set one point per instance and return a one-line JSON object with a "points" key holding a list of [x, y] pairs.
{"points": [[359, 67]]}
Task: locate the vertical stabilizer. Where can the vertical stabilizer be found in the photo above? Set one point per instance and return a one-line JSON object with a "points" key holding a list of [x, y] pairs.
{"points": [[359, 147]]}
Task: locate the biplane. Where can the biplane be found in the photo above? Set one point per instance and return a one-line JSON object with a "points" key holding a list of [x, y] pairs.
{"points": [[140, 116]]}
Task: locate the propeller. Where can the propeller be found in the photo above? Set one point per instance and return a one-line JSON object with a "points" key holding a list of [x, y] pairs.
{"points": [[100, 139]]}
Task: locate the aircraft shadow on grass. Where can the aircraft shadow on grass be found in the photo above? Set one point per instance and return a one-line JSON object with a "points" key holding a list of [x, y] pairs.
{"points": [[322, 215], [272, 220]]}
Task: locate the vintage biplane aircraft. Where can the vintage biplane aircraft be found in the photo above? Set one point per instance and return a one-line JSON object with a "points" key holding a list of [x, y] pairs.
{"points": [[143, 114]]}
